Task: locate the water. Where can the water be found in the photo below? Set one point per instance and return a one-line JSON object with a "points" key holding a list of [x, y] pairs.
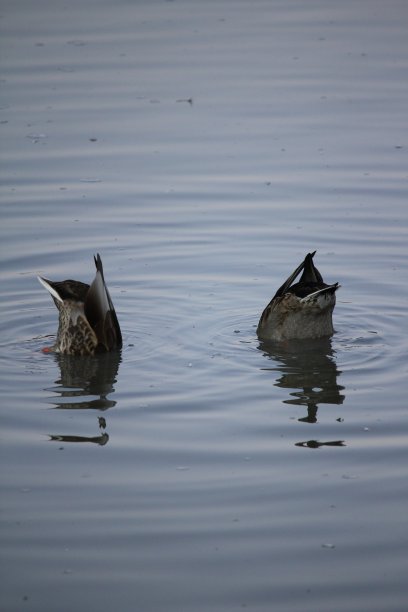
{"points": [[203, 149]]}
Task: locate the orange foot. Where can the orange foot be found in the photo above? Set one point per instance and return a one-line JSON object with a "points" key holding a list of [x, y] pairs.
{"points": [[47, 349]]}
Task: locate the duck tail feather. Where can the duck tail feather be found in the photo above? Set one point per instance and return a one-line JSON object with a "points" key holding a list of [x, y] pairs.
{"points": [[308, 261], [49, 285]]}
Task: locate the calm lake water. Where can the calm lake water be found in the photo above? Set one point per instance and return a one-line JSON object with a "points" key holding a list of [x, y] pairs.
{"points": [[203, 148]]}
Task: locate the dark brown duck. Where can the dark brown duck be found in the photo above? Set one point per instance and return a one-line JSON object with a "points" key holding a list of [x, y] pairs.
{"points": [[300, 310]]}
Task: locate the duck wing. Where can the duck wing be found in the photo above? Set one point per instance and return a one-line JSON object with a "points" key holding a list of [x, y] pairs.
{"points": [[100, 312]]}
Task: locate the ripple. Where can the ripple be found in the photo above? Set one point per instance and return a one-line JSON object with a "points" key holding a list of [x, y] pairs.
{"points": [[367, 342], [181, 335]]}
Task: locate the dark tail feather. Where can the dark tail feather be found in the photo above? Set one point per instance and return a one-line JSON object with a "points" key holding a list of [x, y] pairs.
{"points": [[310, 273], [307, 266]]}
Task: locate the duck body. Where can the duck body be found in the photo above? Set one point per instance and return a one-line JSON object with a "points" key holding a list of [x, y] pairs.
{"points": [[300, 310], [87, 319]]}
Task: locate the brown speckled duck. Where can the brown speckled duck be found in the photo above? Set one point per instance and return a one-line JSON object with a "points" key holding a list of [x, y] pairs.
{"points": [[300, 310], [87, 319]]}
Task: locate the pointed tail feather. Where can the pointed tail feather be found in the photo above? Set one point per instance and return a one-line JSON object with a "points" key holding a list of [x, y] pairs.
{"points": [[308, 260], [49, 287], [310, 273]]}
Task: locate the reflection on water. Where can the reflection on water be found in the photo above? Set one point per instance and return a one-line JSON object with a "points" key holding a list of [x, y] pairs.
{"points": [[310, 371], [317, 444], [101, 440], [86, 382]]}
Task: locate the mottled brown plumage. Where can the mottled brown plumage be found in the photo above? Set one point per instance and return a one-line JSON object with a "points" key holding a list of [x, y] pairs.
{"points": [[300, 310], [87, 319]]}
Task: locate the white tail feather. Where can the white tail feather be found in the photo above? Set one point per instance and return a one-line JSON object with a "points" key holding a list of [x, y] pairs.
{"points": [[50, 289]]}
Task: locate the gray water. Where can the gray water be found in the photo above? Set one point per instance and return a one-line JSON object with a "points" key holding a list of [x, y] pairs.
{"points": [[203, 148]]}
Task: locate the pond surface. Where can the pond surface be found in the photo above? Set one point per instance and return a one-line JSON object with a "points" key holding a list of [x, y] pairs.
{"points": [[203, 148]]}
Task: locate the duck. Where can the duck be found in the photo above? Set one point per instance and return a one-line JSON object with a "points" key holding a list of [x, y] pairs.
{"points": [[301, 310], [87, 319]]}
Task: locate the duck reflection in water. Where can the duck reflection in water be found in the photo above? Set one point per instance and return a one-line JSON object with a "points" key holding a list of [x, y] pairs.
{"points": [[316, 444], [86, 383], [308, 369], [100, 440]]}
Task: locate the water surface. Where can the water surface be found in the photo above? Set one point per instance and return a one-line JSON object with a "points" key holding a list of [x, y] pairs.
{"points": [[203, 148]]}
